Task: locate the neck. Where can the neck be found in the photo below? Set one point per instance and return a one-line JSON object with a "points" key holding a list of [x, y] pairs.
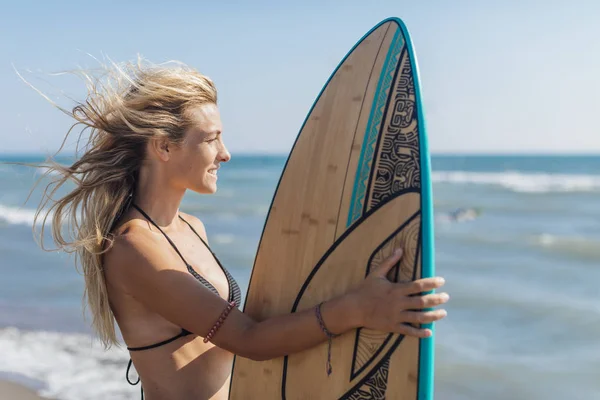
{"points": [[155, 194]]}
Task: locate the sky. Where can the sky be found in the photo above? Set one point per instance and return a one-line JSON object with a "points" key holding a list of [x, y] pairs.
{"points": [[497, 76]]}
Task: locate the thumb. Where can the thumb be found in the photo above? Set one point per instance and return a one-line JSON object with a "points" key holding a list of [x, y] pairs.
{"points": [[382, 269]]}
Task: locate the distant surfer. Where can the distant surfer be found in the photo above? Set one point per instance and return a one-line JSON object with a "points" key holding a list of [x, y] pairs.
{"points": [[461, 215]]}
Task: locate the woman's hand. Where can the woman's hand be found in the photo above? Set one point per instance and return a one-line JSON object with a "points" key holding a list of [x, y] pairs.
{"points": [[389, 306]]}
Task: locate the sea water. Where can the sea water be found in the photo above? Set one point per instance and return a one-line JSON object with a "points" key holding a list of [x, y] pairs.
{"points": [[517, 239]]}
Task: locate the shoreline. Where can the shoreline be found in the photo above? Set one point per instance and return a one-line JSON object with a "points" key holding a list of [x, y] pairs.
{"points": [[10, 390]]}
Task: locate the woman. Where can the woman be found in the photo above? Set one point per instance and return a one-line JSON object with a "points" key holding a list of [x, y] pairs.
{"points": [[155, 132]]}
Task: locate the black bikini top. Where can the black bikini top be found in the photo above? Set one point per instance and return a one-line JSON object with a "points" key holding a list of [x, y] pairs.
{"points": [[234, 289]]}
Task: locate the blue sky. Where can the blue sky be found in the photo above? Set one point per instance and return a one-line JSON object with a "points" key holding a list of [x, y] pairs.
{"points": [[497, 76]]}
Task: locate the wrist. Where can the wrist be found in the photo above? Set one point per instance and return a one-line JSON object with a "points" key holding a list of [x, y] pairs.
{"points": [[341, 314], [355, 310]]}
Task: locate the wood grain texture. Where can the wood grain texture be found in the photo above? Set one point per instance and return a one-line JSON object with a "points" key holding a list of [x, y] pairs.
{"points": [[349, 194]]}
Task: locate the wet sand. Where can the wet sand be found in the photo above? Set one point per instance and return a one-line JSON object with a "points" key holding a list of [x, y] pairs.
{"points": [[15, 391]]}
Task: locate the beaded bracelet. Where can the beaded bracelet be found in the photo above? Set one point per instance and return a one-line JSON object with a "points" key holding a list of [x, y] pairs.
{"points": [[330, 336], [220, 321]]}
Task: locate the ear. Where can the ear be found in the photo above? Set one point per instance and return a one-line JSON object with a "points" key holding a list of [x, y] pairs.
{"points": [[161, 146]]}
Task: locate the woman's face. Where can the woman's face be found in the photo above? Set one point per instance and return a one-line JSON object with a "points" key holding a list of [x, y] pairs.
{"points": [[197, 159]]}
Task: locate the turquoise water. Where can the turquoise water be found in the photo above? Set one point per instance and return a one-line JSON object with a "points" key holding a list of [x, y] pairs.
{"points": [[517, 238]]}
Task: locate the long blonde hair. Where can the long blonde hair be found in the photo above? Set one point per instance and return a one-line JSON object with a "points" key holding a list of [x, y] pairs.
{"points": [[126, 105]]}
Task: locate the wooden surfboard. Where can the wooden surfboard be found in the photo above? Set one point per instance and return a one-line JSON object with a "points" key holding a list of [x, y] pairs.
{"points": [[356, 185]]}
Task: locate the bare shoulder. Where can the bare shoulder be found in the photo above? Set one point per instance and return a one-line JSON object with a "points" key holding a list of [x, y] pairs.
{"points": [[135, 250], [196, 224]]}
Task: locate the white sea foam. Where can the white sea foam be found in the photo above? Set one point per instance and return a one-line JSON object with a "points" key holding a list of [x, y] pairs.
{"points": [[17, 215], [550, 240], [71, 366], [522, 182], [47, 170], [580, 246]]}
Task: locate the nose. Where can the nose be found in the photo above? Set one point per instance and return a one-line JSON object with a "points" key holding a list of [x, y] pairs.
{"points": [[224, 154]]}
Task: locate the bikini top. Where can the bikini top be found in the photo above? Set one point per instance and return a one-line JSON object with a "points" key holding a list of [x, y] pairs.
{"points": [[234, 289]]}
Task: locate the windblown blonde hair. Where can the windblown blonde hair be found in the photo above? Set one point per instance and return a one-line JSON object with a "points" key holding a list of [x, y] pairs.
{"points": [[126, 105]]}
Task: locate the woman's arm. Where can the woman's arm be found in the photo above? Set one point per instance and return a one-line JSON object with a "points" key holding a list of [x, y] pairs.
{"points": [[141, 263]]}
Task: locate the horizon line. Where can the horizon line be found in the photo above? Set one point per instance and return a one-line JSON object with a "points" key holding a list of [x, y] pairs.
{"points": [[433, 153]]}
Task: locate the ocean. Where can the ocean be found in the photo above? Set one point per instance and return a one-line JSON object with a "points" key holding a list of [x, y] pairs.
{"points": [[517, 239]]}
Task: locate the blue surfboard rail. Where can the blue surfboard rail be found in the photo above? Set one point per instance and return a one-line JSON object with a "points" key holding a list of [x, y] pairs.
{"points": [[427, 346]]}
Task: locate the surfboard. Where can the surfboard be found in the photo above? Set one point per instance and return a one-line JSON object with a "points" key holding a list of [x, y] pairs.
{"points": [[355, 186]]}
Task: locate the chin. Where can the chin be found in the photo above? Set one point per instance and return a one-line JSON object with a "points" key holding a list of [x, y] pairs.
{"points": [[205, 189]]}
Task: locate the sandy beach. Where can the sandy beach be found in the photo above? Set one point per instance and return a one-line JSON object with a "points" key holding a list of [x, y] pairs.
{"points": [[14, 391]]}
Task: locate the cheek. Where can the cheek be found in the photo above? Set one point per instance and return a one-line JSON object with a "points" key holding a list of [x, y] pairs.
{"points": [[202, 160], [190, 169], [208, 154], [186, 167]]}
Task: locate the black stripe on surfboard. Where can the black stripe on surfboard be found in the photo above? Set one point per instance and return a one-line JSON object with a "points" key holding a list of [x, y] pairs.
{"points": [[353, 372], [327, 254]]}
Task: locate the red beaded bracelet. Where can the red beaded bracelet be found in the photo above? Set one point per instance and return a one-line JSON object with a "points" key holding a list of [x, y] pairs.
{"points": [[219, 322]]}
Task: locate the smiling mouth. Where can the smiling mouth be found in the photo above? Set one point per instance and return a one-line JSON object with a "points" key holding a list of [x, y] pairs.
{"points": [[213, 172]]}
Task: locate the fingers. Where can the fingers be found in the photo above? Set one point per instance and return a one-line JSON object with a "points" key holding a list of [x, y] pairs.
{"points": [[422, 285], [417, 317], [387, 264], [412, 331], [426, 301]]}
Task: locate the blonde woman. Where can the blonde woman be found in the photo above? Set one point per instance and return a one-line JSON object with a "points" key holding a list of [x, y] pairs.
{"points": [[155, 133]]}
